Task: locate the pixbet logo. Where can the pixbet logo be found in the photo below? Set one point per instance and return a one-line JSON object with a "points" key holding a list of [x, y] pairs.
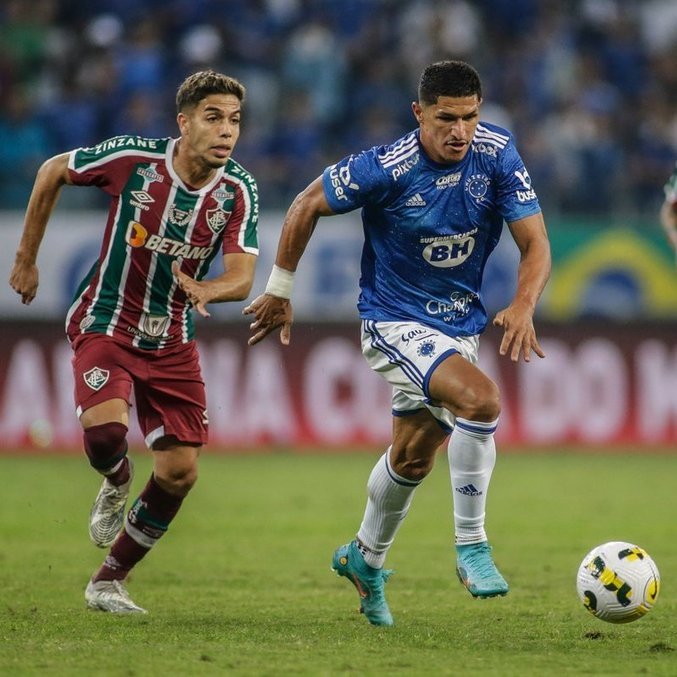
{"points": [[404, 167]]}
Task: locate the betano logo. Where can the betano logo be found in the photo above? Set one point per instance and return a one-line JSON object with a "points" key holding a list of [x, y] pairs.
{"points": [[137, 237]]}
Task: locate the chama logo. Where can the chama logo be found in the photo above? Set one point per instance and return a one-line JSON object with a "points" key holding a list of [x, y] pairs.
{"points": [[136, 235]]}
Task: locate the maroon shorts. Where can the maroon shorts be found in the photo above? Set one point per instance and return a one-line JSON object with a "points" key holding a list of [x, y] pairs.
{"points": [[168, 388]]}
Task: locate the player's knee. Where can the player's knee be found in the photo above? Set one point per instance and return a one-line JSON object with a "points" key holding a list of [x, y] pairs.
{"points": [[481, 402], [178, 479], [411, 465], [105, 444]]}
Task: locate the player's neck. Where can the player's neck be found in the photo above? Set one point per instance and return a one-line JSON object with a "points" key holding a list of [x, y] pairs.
{"points": [[192, 172]]}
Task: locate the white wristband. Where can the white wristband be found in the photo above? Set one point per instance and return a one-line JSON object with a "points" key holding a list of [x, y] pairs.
{"points": [[280, 282]]}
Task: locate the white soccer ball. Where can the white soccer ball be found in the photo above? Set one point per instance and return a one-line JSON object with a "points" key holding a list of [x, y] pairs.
{"points": [[618, 582]]}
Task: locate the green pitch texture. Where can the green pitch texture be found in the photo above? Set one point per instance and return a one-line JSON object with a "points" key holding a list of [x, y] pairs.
{"points": [[241, 585]]}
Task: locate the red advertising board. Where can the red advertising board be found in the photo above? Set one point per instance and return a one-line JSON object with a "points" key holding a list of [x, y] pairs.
{"points": [[605, 385]]}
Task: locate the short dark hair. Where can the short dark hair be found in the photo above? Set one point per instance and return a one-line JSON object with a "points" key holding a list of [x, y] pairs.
{"points": [[203, 83], [448, 78]]}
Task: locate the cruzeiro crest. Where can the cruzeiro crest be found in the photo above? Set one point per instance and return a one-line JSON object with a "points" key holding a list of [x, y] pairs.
{"points": [[96, 377]]}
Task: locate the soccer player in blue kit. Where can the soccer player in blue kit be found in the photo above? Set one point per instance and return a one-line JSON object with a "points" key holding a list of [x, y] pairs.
{"points": [[433, 207]]}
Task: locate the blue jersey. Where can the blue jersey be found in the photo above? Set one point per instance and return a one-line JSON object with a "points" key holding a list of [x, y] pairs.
{"points": [[428, 227]]}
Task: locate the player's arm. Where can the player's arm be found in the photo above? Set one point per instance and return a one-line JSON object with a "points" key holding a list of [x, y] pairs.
{"points": [[519, 335], [233, 285], [51, 177], [273, 308], [668, 219]]}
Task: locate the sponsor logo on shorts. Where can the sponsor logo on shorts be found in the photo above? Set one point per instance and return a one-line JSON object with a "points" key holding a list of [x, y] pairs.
{"points": [[96, 377]]}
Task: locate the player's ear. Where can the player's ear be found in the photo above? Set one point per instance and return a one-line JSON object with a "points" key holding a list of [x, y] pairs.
{"points": [[417, 110]]}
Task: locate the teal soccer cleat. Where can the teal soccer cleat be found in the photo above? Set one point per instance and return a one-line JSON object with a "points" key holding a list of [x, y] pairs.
{"points": [[348, 562], [476, 570]]}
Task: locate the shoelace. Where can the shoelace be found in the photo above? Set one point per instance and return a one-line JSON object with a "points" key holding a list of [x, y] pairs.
{"points": [[480, 560]]}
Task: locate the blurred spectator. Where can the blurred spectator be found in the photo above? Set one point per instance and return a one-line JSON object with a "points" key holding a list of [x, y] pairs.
{"points": [[24, 145], [589, 86]]}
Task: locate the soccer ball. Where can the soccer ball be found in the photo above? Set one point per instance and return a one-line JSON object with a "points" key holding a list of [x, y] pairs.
{"points": [[618, 582]]}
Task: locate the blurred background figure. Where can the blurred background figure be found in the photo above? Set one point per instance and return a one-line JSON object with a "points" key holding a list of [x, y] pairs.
{"points": [[589, 86]]}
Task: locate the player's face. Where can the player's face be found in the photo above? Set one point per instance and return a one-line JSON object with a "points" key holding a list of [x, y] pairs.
{"points": [[210, 131], [448, 126]]}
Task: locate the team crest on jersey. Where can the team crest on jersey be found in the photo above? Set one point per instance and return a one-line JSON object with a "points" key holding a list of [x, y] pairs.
{"points": [[217, 219], [179, 217], [96, 377], [477, 185]]}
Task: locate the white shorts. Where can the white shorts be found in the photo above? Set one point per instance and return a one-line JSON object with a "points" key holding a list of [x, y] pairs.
{"points": [[406, 354]]}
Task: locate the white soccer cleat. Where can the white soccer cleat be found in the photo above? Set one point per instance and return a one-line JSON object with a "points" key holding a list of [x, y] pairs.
{"points": [[112, 597], [108, 512]]}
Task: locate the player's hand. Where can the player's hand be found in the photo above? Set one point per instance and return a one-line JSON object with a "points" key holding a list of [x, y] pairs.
{"points": [[24, 280], [270, 312], [197, 292], [519, 335]]}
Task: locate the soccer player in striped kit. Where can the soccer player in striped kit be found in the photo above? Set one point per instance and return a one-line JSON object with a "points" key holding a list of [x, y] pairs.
{"points": [[175, 204], [433, 206]]}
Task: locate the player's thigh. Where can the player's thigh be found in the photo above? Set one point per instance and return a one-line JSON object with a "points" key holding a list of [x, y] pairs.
{"points": [[102, 380], [172, 402], [110, 411], [464, 389]]}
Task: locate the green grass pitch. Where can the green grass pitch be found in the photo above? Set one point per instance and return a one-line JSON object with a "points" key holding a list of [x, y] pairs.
{"points": [[241, 584]]}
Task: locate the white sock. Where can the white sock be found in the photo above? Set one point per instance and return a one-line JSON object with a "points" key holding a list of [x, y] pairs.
{"points": [[472, 456], [389, 498]]}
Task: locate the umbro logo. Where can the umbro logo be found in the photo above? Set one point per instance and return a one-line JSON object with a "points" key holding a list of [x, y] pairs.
{"points": [[469, 490], [415, 201]]}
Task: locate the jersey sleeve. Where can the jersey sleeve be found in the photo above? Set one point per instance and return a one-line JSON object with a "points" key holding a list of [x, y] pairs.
{"points": [[109, 163], [516, 197], [241, 233], [355, 181]]}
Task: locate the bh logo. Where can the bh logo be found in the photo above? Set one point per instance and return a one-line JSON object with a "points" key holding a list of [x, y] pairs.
{"points": [[449, 252]]}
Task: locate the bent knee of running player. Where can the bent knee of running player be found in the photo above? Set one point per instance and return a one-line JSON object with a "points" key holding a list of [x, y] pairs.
{"points": [[465, 390]]}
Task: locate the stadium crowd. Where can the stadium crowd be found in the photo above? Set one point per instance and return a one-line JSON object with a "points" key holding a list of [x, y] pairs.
{"points": [[589, 87]]}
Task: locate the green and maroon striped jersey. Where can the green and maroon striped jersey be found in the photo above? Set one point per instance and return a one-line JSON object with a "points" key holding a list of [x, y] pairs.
{"points": [[154, 218]]}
